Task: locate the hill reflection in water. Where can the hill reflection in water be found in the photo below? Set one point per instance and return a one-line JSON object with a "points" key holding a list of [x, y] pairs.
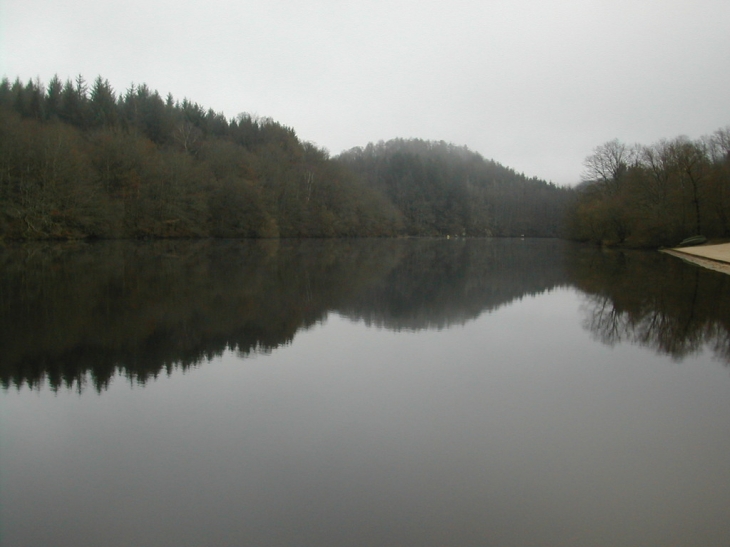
{"points": [[78, 312]]}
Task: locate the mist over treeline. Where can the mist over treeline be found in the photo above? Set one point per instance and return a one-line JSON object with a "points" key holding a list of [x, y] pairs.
{"points": [[441, 189], [79, 160]]}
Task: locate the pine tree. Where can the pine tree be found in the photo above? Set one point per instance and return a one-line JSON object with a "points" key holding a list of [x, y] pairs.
{"points": [[103, 104]]}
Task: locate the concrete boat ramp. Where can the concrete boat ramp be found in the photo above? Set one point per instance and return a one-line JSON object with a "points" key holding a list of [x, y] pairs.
{"points": [[715, 257]]}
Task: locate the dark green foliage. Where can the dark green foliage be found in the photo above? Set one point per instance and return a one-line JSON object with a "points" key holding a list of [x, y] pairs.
{"points": [[53, 98], [47, 186], [103, 104], [78, 162], [236, 210]]}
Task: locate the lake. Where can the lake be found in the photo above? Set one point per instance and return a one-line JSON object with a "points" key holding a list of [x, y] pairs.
{"points": [[361, 392]]}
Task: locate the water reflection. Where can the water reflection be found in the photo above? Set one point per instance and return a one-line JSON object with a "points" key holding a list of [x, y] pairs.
{"points": [[653, 300], [77, 312], [143, 307]]}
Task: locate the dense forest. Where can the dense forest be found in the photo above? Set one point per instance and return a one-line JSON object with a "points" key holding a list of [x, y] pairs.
{"points": [[660, 194], [77, 160]]}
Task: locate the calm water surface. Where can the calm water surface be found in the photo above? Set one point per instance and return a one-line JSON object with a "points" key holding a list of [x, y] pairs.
{"points": [[365, 393]]}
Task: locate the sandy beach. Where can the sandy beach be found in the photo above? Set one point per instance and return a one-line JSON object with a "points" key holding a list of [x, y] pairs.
{"points": [[714, 257]]}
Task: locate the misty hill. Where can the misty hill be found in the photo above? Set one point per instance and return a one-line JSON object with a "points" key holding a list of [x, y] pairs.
{"points": [[440, 188]]}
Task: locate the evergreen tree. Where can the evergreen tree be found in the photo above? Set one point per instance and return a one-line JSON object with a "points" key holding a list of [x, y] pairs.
{"points": [[103, 104], [53, 97]]}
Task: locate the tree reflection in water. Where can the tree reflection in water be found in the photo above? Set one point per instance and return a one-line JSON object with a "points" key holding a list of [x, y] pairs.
{"points": [[653, 300], [78, 313]]}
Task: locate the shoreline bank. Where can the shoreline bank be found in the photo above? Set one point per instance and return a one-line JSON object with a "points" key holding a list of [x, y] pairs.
{"points": [[714, 257]]}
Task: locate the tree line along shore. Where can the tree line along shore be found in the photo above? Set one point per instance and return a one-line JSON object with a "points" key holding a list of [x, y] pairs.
{"points": [[78, 160]]}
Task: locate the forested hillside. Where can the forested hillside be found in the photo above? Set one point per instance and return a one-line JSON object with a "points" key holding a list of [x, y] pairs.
{"points": [[78, 160], [660, 194], [445, 189]]}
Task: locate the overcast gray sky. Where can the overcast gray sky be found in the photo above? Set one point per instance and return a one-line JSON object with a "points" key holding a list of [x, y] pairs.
{"points": [[532, 84]]}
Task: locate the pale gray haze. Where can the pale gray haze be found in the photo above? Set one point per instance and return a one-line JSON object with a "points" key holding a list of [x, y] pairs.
{"points": [[532, 84]]}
